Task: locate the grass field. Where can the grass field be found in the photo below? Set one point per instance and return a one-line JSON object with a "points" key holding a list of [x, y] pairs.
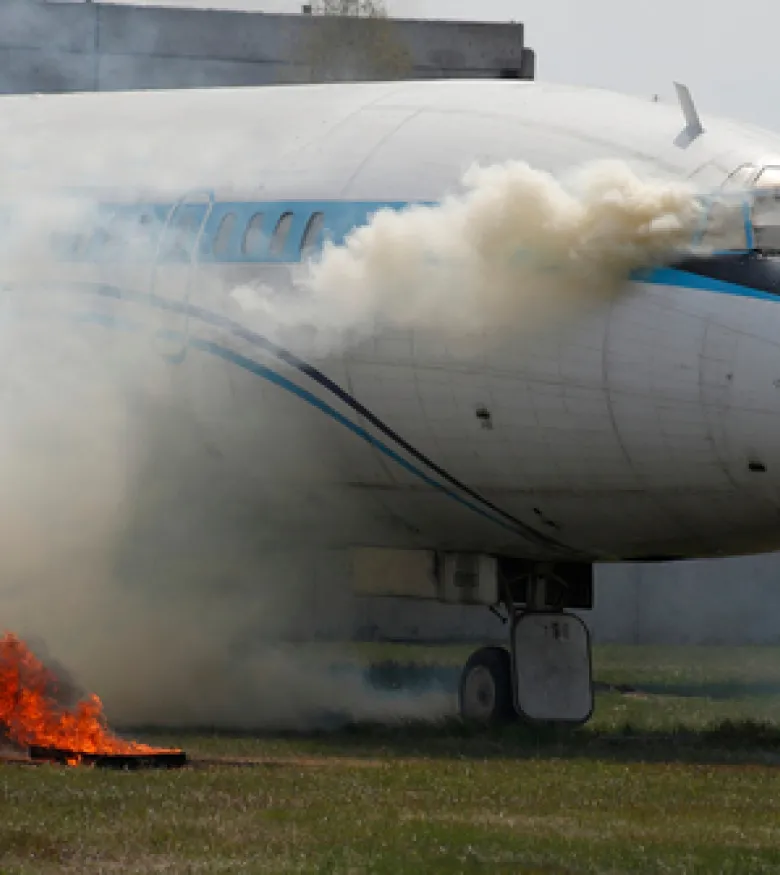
{"points": [[679, 773]]}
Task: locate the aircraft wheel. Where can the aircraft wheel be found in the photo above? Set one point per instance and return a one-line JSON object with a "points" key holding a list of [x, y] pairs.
{"points": [[485, 693]]}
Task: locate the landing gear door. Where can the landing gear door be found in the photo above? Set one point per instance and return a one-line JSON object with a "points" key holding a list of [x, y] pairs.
{"points": [[174, 272], [552, 668]]}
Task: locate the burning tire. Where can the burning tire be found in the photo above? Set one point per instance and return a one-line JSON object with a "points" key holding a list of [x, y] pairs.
{"points": [[31, 717], [162, 759]]}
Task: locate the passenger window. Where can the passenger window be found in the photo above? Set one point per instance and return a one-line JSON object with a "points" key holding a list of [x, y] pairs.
{"points": [[67, 243], [131, 231], [281, 233], [254, 239], [140, 231], [224, 233], [311, 235], [104, 242]]}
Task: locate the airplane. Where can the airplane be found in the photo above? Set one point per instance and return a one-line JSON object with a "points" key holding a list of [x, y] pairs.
{"points": [[645, 430]]}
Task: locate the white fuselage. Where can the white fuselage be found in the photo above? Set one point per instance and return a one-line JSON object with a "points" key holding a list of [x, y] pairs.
{"points": [[649, 428]]}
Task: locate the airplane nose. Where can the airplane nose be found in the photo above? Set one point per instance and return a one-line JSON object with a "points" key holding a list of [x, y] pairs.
{"points": [[740, 367], [716, 395]]}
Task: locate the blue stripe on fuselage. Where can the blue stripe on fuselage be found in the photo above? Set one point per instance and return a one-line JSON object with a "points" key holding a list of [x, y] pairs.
{"points": [[247, 237], [670, 276]]}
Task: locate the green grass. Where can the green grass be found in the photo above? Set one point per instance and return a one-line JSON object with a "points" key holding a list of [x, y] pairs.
{"points": [[677, 777]]}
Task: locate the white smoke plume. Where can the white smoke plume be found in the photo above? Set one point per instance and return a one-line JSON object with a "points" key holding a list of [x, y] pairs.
{"points": [[150, 567], [518, 250]]}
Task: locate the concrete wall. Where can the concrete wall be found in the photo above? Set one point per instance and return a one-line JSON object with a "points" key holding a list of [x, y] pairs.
{"points": [[76, 46], [722, 601]]}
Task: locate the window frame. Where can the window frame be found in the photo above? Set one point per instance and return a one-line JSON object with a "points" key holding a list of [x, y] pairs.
{"points": [[221, 241], [280, 236], [255, 225]]}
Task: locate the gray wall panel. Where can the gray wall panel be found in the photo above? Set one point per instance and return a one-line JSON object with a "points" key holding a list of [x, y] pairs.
{"points": [[29, 70], [131, 72], [719, 601], [54, 27], [129, 47], [199, 33]]}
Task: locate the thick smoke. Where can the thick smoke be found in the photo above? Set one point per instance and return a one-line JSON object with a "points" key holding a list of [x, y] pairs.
{"points": [[134, 550], [146, 568], [155, 563], [142, 563], [518, 250]]}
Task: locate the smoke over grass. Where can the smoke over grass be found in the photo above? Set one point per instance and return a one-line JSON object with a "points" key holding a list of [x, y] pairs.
{"points": [[145, 566], [145, 560], [164, 557]]}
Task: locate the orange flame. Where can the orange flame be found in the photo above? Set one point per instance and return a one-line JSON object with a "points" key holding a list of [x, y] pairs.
{"points": [[30, 716]]}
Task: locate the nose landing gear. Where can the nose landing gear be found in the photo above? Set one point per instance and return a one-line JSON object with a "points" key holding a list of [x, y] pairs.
{"points": [[545, 675]]}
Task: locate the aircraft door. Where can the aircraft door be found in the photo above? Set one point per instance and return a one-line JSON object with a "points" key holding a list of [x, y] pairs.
{"points": [[174, 271]]}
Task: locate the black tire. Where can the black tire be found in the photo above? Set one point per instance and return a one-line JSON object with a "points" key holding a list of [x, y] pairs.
{"points": [[485, 689]]}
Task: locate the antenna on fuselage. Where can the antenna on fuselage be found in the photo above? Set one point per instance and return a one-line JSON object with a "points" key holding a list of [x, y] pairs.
{"points": [[693, 126]]}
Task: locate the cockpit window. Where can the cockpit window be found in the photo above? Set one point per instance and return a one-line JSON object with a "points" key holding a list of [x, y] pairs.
{"points": [[724, 226], [768, 178], [766, 210], [740, 179], [745, 214]]}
